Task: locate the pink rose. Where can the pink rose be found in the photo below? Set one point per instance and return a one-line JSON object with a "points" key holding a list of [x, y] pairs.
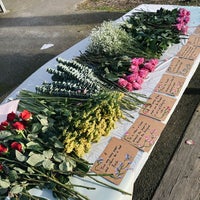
{"points": [[179, 26], [143, 73], [186, 19], [149, 66], [139, 80], [184, 29], [137, 61], [19, 126], [122, 82], [153, 61], [180, 19], [132, 77], [136, 86], [183, 12], [134, 68], [129, 87]]}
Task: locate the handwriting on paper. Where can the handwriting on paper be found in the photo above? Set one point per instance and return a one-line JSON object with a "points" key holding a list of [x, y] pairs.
{"points": [[189, 52], [170, 84], [144, 132], [158, 106], [197, 30], [180, 66], [194, 40], [115, 160]]}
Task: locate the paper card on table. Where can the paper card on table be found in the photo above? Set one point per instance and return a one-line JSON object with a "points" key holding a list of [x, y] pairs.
{"points": [[189, 52], [194, 40], [170, 84], [180, 66], [158, 106], [8, 108], [115, 160], [144, 132]]}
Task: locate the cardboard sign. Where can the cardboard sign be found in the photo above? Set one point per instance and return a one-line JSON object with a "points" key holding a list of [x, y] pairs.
{"points": [[194, 40], [180, 66], [170, 84], [189, 52], [197, 30], [115, 160], [144, 132], [158, 106]]}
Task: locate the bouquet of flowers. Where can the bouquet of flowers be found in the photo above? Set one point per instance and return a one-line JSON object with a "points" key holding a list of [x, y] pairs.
{"points": [[31, 155]]}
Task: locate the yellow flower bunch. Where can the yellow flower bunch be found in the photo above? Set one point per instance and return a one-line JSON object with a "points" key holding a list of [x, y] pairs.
{"points": [[100, 119]]}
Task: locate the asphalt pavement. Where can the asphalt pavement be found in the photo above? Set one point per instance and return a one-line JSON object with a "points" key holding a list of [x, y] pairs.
{"points": [[28, 25]]}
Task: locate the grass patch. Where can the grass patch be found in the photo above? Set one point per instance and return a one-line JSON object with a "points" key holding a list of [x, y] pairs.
{"points": [[127, 5]]}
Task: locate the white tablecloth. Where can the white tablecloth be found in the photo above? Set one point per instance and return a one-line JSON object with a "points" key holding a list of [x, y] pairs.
{"points": [[148, 86]]}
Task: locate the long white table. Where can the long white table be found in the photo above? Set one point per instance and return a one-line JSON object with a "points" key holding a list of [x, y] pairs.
{"points": [[148, 86]]}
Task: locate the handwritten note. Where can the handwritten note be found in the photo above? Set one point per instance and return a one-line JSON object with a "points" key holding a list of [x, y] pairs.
{"points": [[115, 160], [197, 30], [144, 132], [194, 40], [180, 66], [189, 52], [158, 106], [170, 84]]}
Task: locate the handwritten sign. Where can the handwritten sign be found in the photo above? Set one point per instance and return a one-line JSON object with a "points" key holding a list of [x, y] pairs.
{"points": [[115, 160], [189, 52], [170, 84], [158, 106], [144, 132], [180, 66], [197, 30], [194, 40]]}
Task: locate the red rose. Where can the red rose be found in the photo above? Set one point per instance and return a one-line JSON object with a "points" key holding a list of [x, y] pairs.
{"points": [[17, 146], [25, 115], [19, 126], [11, 116], [1, 167], [2, 128], [3, 125], [3, 149]]}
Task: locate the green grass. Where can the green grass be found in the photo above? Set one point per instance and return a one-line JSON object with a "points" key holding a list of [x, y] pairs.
{"points": [[126, 5]]}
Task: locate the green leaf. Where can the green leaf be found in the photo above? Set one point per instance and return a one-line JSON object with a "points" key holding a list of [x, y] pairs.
{"points": [[19, 170], [43, 120], [34, 146], [35, 159], [36, 127], [13, 176], [4, 134], [59, 157], [3, 190], [111, 77], [20, 156], [65, 166], [58, 144], [48, 164], [48, 154], [16, 189], [29, 169], [4, 183]]}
